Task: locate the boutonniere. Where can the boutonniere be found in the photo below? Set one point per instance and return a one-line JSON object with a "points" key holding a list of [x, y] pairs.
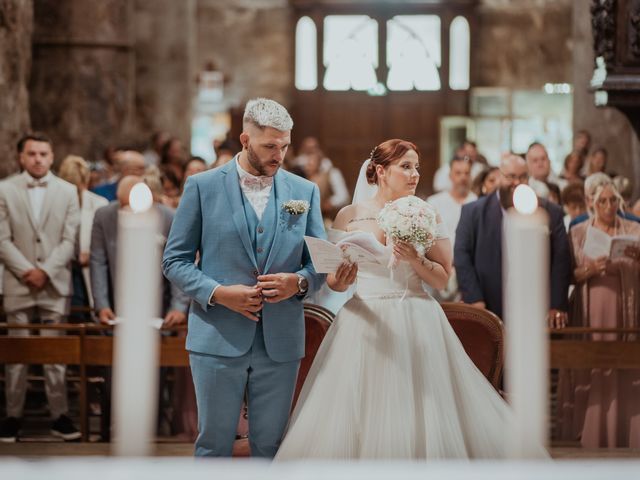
{"points": [[296, 207]]}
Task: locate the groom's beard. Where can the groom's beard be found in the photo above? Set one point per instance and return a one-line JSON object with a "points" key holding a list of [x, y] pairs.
{"points": [[254, 161]]}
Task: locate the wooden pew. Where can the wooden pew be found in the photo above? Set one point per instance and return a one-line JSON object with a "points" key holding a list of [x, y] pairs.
{"points": [[82, 349], [576, 352], [43, 350]]}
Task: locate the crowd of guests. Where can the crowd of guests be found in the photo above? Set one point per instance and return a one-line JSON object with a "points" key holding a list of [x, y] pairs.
{"points": [[599, 407]]}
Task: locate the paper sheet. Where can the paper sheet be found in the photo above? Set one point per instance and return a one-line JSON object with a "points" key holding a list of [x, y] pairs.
{"points": [[327, 257]]}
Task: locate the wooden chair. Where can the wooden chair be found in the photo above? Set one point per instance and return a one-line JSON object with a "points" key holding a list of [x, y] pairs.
{"points": [[317, 321], [482, 335]]}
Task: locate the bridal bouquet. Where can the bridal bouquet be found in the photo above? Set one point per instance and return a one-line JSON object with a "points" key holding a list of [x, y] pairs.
{"points": [[409, 219]]}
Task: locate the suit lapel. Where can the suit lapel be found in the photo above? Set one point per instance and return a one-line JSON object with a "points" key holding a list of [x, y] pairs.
{"points": [[49, 199], [493, 221], [283, 194], [22, 189], [234, 196]]}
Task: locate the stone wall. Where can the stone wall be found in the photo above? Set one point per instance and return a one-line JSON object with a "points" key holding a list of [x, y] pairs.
{"points": [[81, 84], [112, 71], [16, 25], [251, 42], [523, 43], [608, 126]]}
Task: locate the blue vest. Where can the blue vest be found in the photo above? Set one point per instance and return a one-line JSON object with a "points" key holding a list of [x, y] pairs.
{"points": [[261, 232]]}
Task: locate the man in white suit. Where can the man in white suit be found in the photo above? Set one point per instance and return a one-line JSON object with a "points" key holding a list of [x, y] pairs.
{"points": [[39, 217]]}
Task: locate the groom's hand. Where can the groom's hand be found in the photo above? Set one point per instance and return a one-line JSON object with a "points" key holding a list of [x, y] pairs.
{"points": [[245, 300], [278, 286]]}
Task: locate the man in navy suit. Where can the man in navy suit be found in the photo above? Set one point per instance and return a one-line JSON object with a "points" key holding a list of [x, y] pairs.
{"points": [[478, 246]]}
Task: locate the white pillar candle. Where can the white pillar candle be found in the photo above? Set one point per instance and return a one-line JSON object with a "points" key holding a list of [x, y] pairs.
{"points": [[526, 304], [135, 371]]}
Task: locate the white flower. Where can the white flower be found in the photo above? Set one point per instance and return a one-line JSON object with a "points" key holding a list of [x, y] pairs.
{"points": [[409, 219], [295, 207]]}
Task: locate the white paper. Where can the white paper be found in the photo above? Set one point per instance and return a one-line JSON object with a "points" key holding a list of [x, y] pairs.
{"points": [[597, 243], [365, 240], [327, 257]]}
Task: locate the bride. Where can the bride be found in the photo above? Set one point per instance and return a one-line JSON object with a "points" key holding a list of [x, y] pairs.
{"points": [[391, 379]]}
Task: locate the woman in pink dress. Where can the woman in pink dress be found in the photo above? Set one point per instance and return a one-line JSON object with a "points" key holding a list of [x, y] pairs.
{"points": [[602, 406]]}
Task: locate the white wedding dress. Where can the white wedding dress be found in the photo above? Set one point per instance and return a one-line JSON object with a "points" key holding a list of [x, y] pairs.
{"points": [[392, 380]]}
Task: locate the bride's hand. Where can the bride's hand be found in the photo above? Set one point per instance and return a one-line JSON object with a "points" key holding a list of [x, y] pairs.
{"points": [[405, 251], [344, 276]]}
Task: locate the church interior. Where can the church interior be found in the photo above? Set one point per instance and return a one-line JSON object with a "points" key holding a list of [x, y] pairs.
{"points": [[157, 89]]}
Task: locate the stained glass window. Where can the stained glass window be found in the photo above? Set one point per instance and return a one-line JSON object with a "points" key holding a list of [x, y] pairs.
{"points": [[413, 52], [459, 45], [306, 55], [350, 52]]}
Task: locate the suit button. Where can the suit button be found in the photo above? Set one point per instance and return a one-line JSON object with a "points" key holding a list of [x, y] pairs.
{"points": [[38, 259], [38, 240], [260, 250], [256, 273], [260, 230]]}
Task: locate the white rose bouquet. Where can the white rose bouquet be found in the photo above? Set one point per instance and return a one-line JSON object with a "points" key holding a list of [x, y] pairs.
{"points": [[409, 219]]}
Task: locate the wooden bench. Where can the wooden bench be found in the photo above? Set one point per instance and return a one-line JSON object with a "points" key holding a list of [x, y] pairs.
{"points": [[573, 352], [80, 348], [43, 350]]}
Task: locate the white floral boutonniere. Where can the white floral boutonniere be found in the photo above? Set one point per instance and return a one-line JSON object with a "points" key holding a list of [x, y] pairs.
{"points": [[296, 207]]}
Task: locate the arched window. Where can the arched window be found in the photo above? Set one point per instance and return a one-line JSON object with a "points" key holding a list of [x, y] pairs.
{"points": [[350, 52], [306, 55], [459, 54], [413, 52]]}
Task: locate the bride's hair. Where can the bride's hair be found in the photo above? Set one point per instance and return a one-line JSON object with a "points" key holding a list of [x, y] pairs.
{"points": [[385, 153]]}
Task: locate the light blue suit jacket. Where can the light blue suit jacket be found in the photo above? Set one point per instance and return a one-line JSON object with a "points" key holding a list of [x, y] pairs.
{"points": [[211, 220]]}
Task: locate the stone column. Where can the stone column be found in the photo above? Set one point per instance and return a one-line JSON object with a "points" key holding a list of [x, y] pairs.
{"points": [[16, 26], [165, 39], [81, 89]]}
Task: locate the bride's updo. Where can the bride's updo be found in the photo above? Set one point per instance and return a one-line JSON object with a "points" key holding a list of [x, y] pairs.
{"points": [[385, 153]]}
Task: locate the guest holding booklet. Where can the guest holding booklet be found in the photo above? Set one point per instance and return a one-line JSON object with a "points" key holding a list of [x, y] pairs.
{"points": [[602, 407]]}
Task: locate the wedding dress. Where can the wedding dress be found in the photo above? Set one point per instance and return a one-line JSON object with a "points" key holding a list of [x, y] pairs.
{"points": [[392, 380]]}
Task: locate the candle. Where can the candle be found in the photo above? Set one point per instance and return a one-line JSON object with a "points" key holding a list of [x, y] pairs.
{"points": [[135, 371], [526, 304]]}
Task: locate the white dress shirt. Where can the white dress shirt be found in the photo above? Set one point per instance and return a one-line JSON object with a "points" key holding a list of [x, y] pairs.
{"points": [[450, 209], [256, 189], [37, 193], [442, 182]]}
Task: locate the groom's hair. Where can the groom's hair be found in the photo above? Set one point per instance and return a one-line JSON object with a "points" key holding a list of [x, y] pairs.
{"points": [[263, 113]]}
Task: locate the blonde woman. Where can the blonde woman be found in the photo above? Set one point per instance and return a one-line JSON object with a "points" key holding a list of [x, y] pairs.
{"points": [[75, 170], [602, 406]]}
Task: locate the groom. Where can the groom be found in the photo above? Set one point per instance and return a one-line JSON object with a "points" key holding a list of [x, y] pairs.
{"points": [[246, 324]]}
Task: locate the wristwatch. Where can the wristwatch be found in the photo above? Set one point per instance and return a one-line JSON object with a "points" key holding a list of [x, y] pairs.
{"points": [[303, 285]]}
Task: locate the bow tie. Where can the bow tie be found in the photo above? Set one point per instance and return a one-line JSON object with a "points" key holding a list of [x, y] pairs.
{"points": [[37, 183], [256, 183]]}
